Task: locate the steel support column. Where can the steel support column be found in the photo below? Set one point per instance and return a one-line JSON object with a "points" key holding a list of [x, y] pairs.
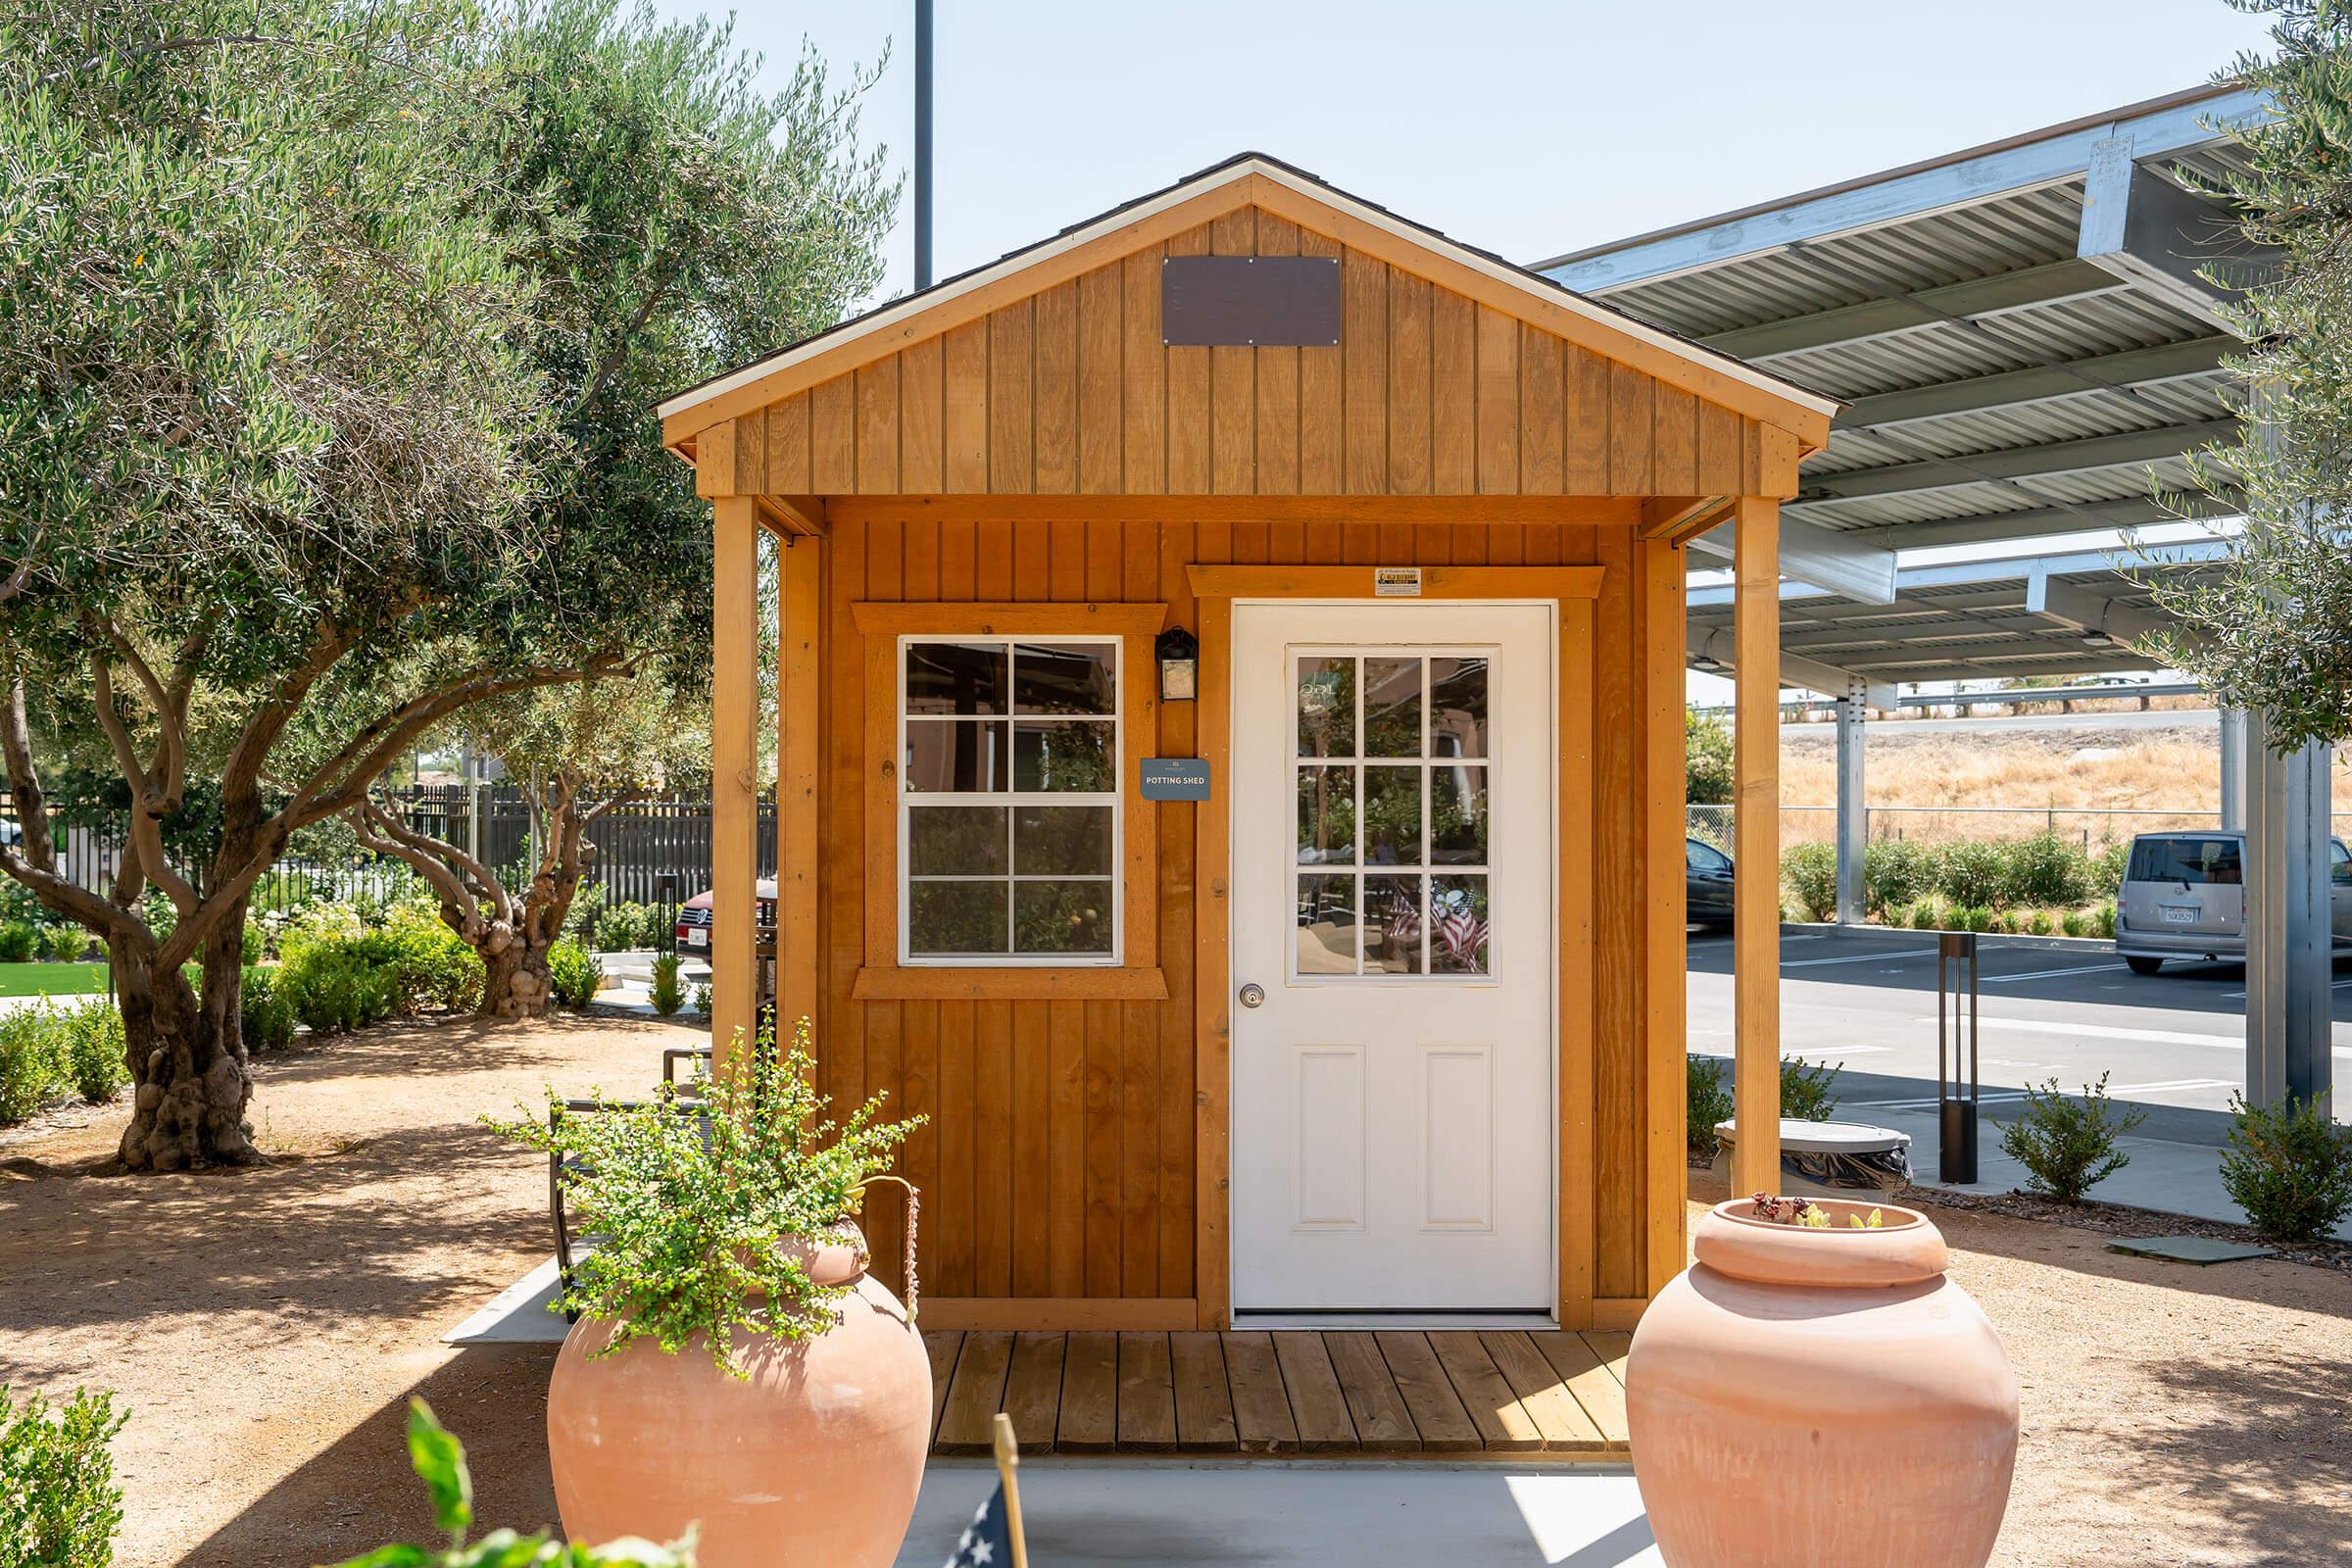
{"points": [[2233, 770], [1853, 813], [2287, 939]]}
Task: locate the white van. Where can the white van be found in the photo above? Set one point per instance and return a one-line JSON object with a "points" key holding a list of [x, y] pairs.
{"points": [[2184, 897]]}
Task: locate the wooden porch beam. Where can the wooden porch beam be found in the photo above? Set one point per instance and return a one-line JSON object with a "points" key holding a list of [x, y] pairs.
{"points": [[800, 604], [793, 516], [1675, 519], [1756, 830], [734, 789]]}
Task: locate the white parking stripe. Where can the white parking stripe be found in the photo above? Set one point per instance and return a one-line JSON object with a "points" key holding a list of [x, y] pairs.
{"points": [[1860, 957], [2103, 1031], [2048, 974]]}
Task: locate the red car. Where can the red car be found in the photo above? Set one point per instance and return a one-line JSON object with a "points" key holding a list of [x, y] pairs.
{"points": [[694, 917]]}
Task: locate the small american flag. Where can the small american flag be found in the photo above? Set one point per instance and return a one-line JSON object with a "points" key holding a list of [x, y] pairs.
{"points": [[986, 1542]]}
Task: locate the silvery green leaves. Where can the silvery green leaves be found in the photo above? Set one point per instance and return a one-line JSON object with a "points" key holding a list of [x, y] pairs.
{"points": [[704, 1207]]}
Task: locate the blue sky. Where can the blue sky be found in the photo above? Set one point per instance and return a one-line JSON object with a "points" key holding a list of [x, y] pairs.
{"points": [[1525, 128]]}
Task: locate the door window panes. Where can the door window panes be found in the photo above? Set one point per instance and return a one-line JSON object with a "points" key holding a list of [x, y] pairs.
{"points": [[1372, 824], [1009, 801]]}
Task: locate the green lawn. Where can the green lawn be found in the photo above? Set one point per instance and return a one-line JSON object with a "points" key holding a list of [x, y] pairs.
{"points": [[52, 979]]}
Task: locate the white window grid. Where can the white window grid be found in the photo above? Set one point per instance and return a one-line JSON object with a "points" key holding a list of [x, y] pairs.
{"points": [[1013, 799], [1357, 871]]}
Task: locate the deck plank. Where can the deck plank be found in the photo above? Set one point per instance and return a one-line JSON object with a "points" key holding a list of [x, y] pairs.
{"points": [[1588, 1378], [1146, 1394], [1089, 1393], [1382, 1425], [1611, 1346], [1204, 1421], [1033, 1389], [1563, 1423], [1429, 1396], [941, 1347], [968, 1423], [1261, 1409], [1503, 1424], [1317, 1402]]}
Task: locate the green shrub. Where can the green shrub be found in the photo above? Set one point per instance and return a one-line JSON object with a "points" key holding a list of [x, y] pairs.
{"points": [[1969, 918], [668, 997], [433, 964], [439, 1460], [1970, 873], [59, 1504], [626, 927], [2290, 1167], [587, 908], [254, 946], [1805, 1090], [2068, 1144], [1710, 1102], [1895, 871], [2075, 923], [97, 1055], [19, 940], [702, 997], [575, 973], [337, 987], [28, 1065], [2102, 920], [269, 1016], [2045, 868], [1809, 871], [2042, 923], [2107, 868], [62, 943]]}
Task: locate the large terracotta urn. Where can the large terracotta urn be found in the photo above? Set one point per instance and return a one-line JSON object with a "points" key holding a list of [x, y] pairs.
{"points": [[1820, 1398], [813, 1457]]}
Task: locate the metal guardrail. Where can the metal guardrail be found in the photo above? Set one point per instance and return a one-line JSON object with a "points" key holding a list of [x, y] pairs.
{"points": [[2014, 697]]}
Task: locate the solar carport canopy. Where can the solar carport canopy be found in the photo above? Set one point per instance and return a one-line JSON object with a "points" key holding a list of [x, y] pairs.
{"points": [[2026, 349]]}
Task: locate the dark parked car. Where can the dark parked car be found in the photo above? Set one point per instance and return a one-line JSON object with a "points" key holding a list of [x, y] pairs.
{"points": [[1708, 882]]}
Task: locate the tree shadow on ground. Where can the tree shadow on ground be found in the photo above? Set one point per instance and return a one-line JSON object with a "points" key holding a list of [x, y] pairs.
{"points": [[422, 1048], [360, 1493], [2250, 1486]]}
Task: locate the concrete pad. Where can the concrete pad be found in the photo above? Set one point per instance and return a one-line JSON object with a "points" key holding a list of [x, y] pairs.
{"points": [[1273, 1513], [2198, 1250], [518, 1315]]}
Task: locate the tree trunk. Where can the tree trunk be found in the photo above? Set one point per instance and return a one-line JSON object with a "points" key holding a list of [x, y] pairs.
{"points": [[187, 1060], [516, 982]]}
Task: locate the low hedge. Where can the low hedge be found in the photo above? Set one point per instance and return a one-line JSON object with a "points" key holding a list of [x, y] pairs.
{"points": [[52, 1047], [2042, 885]]}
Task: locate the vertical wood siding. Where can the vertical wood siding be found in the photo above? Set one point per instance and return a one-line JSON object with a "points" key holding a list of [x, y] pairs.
{"points": [[1071, 391], [1059, 1161]]}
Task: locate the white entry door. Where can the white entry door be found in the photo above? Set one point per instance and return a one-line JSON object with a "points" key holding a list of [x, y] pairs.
{"points": [[1393, 957]]}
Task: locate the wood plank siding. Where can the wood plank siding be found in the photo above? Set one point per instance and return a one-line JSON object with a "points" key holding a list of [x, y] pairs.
{"points": [[1071, 392]]}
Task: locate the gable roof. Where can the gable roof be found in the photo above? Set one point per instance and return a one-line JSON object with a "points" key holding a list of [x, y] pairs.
{"points": [[1253, 179]]}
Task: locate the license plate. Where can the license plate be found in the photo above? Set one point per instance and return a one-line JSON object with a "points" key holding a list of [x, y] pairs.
{"points": [[2174, 915], [698, 938]]}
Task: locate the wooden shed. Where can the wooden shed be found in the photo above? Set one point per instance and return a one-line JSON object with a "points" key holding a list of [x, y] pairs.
{"points": [[1349, 977]]}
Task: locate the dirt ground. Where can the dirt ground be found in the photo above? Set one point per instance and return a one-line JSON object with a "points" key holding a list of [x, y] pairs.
{"points": [[266, 1328]]}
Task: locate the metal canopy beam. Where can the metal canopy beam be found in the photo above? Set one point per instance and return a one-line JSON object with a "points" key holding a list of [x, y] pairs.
{"points": [[2073, 605], [2020, 462], [2017, 389], [1716, 648], [1825, 558], [2052, 283], [1898, 661], [2158, 237], [2035, 522], [1967, 179]]}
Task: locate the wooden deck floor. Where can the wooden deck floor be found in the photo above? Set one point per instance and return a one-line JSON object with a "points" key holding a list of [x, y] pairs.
{"points": [[1386, 1393]]}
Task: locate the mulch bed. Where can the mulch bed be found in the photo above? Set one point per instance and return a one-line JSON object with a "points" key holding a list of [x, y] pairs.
{"points": [[2122, 1220]]}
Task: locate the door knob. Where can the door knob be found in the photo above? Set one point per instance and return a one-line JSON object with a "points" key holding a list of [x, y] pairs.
{"points": [[1252, 995]]}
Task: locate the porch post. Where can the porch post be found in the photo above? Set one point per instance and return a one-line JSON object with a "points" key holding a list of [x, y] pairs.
{"points": [[734, 755], [1756, 830]]}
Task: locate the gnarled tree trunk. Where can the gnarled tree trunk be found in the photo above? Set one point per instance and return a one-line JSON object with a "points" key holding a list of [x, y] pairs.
{"points": [[185, 1049]]}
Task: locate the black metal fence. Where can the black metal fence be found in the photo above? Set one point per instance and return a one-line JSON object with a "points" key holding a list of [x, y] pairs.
{"points": [[639, 845]]}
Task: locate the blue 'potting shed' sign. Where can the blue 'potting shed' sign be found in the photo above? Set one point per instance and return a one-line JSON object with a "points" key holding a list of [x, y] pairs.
{"points": [[1175, 778]]}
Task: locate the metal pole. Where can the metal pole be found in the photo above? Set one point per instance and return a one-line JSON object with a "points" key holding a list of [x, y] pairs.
{"points": [[1853, 817], [2233, 770], [922, 144]]}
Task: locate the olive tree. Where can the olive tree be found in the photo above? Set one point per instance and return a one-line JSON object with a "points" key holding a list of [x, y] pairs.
{"points": [[2272, 629]]}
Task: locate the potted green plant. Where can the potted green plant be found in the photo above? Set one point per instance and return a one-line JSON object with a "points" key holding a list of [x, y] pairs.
{"points": [[733, 1366]]}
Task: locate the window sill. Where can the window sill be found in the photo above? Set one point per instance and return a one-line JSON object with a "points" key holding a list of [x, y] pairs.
{"points": [[891, 983]]}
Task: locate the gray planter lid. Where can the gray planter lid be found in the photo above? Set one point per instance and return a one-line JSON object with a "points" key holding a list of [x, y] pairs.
{"points": [[1825, 1137]]}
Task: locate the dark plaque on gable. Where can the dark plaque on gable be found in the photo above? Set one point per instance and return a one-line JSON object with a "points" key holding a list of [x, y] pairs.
{"points": [[1232, 301]]}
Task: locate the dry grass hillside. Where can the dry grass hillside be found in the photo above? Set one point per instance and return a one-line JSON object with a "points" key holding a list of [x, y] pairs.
{"points": [[2071, 771]]}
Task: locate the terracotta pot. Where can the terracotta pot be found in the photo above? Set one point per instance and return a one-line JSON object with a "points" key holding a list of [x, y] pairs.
{"points": [[814, 1458], [1820, 1398]]}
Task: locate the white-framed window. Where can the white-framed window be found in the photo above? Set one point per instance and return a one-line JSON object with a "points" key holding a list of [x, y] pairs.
{"points": [[1010, 756]]}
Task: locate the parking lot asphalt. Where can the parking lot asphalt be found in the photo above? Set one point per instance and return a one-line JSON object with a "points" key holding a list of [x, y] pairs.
{"points": [[1865, 1002]]}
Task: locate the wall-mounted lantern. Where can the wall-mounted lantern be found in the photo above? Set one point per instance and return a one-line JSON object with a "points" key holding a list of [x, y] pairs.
{"points": [[1178, 654]]}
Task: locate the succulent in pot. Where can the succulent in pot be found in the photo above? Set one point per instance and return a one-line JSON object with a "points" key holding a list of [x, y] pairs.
{"points": [[733, 1365]]}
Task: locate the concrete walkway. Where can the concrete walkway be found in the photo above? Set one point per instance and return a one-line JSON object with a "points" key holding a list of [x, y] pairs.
{"points": [[1275, 1515]]}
